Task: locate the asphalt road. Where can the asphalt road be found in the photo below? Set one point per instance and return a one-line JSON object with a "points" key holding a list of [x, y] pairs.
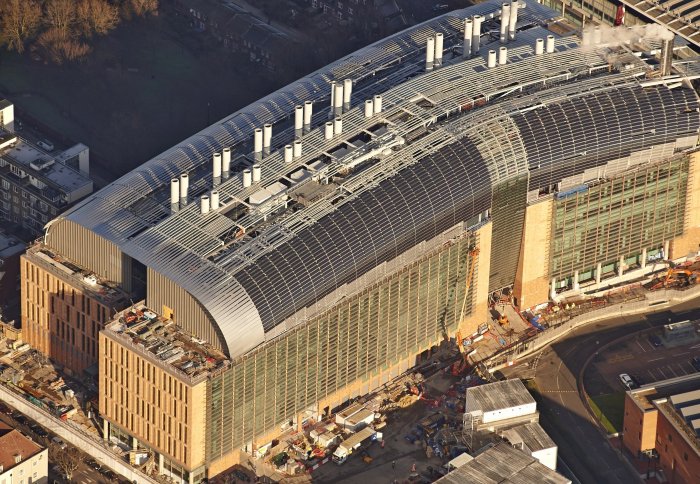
{"points": [[582, 445]]}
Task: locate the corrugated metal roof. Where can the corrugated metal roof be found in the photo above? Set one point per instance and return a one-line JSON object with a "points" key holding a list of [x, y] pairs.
{"points": [[552, 115], [498, 396]]}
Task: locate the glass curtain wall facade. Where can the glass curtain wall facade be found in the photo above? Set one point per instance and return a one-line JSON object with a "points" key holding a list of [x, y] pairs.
{"points": [[616, 218], [358, 338]]}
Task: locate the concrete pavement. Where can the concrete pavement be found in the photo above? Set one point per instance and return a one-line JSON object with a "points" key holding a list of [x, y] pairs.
{"points": [[582, 445]]}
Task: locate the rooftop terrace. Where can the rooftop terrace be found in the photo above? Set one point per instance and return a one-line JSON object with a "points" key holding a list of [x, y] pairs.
{"points": [[105, 292], [164, 343]]}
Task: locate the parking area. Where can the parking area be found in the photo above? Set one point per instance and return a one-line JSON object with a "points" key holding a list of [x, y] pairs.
{"points": [[646, 357]]}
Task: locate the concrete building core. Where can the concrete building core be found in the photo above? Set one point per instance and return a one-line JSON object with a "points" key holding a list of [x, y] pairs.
{"points": [[324, 275]]}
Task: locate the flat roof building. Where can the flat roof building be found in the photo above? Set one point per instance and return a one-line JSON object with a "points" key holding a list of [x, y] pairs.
{"points": [[499, 401], [36, 186], [662, 419], [325, 236], [503, 464]]}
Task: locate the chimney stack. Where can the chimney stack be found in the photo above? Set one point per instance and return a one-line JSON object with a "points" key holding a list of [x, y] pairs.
{"points": [[174, 195], [258, 143], [467, 43], [267, 138], [429, 54], [204, 204], [184, 187], [216, 169], [226, 163], [491, 59], [513, 20], [666, 60], [439, 45], [505, 19], [476, 34], [347, 94], [308, 111]]}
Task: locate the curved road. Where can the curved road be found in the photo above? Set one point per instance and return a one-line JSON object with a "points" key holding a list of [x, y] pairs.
{"points": [[582, 445]]}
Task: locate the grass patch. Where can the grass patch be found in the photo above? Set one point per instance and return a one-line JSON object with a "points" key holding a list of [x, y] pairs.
{"points": [[609, 410]]}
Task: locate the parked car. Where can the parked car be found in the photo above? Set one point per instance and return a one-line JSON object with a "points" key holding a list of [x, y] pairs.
{"points": [[627, 381], [59, 442], [93, 464], [5, 409], [655, 341], [696, 363], [39, 430], [20, 419]]}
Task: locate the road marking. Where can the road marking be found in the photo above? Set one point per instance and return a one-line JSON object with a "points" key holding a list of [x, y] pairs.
{"points": [[684, 353], [655, 359], [694, 347], [670, 368], [662, 372], [681, 369], [640, 346]]}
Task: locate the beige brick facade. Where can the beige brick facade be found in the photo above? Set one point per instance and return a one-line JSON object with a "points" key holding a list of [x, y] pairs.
{"points": [[532, 278]]}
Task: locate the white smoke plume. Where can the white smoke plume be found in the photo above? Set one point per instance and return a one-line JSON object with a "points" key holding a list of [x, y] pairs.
{"points": [[607, 35]]}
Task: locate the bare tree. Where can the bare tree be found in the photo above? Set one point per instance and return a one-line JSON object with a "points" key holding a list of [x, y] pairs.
{"points": [[142, 7], [60, 47], [19, 21], [61, 15], [97, 16], [67, 459]]}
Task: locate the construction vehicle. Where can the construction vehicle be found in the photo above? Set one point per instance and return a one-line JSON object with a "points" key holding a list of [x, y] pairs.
{"points": [[677, 277], [355, 442], [503, 321]]}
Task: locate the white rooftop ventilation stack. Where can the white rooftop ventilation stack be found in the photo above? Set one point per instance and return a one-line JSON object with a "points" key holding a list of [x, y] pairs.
{"points": [[429, 53], [369, 108], [513, 20], [184, 188], [502, 55], [174, 195], [439, 46], [597, 36], [338, 100], [539, 46], [297, 149], [214, 199], [491, 59], [288, 153], [258, 143], [298, 120], [467, 42], [257, 173], [337, 126], [331, 107], [247, 178], [328, 130], [550, 44], [216, 168], [347, 94], [476, 34], [308, 111], [226, 163], [267, 138], [586, 35], [377, 104], [204, 204], [505, 19]]}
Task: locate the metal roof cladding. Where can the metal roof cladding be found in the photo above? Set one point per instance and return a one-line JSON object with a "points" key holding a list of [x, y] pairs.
{"points": [[442, 141]]}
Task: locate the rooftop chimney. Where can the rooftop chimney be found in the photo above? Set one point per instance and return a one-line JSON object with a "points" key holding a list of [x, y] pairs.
{"points": [[332, 105], [258, 143], [539, 46], [216, 168], [174, 195], [184, 187], [337, 126], [513, 20], [328, 131], [204, 204], [476, 34], [288, 153], [467, 43], [257, 173], [338, 100], [297, 149], [298, 120], [491, 59], [369, 108], [377, 104], [267, 138], [308, 111], [502, 55], [226, 163], [429, 53], [505, 18], [347, 93], [550, 44], [439, 39], [214, 199], [666, 59], [247, 178]]}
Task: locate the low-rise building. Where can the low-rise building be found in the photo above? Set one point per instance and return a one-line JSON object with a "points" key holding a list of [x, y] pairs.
{"points": [[21, 459], [35, 185], [663, 419], [503, 463]]}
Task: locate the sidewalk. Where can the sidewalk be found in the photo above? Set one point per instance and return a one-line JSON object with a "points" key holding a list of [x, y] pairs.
{"points": [[94, 447]]}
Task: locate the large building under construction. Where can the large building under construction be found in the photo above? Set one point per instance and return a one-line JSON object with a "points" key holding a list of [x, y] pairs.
{"points": [[309, 247]]}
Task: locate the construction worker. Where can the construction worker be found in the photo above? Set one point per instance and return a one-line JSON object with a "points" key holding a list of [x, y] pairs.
{"points": [[393, 464]]}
